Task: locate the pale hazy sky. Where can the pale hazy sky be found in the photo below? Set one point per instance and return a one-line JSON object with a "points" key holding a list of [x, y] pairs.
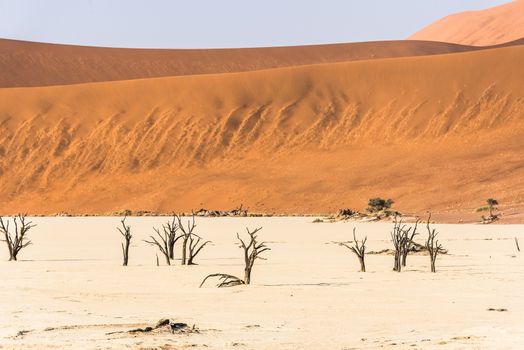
{"points": [[221, 23]]}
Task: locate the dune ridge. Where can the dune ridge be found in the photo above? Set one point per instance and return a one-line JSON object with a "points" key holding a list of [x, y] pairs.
{"points": [[304, 139], [26, 64], [492, 26]]}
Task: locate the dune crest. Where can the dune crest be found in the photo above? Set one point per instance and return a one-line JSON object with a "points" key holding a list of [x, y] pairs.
{"points": [[492, 26], [26, 64], [291, 140]]}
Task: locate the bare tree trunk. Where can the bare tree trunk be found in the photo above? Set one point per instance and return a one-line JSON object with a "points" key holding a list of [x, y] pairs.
{"points": [[397, 266], [11, 256], [517, 243], [432, 245], [172, 228], [171, 249], [362, 264], [247, 275], [125, 231], [184, 250], [125, 252]]}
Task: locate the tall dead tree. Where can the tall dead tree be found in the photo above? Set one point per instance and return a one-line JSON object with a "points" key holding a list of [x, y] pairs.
{"points": [[397, 237], [433, 247], [195, 246], [17, 240], [162, 243], [252, 251], [187, 232], [171, 227], [402, 238], [125, 231], [359, 248]]}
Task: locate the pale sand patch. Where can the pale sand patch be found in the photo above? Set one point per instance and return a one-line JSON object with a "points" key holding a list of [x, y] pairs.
{"points": [[307, 295]]}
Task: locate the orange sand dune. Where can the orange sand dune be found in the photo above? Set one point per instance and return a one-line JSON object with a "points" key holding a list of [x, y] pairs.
{"points": [[487, 27], [35, 64], [438, 132]]}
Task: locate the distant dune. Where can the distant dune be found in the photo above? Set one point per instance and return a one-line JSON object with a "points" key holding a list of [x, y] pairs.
{"points": [[437, 132], [493, 26], [24, 64]]}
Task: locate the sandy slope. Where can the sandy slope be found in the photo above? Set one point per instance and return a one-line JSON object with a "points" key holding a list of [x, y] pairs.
{"points": [[487, 27], [36, 64], [69, 290], [440, 133]]}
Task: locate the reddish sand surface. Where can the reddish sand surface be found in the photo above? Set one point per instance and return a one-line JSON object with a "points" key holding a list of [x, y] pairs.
{"points": [[492, 26], [38, 64], [440, 133]]}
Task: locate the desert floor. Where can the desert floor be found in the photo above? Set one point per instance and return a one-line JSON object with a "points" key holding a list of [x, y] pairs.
{"points": [[69, 289]]}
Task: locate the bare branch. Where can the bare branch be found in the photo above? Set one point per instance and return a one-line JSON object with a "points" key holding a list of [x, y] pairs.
{"points": [[162, 244]]}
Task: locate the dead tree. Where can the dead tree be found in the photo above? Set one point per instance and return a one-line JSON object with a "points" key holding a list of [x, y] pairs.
{"points": [[397, 237], [195, 246], [252, 251], [187, 232], [433, 247], [162, 243], [125, 231], [517, 244], [17, 240], [358, 248], [403, 243]]}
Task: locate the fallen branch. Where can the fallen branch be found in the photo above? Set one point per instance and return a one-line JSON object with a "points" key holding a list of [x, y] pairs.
{"points": [[175, 327], [225, 280]]}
